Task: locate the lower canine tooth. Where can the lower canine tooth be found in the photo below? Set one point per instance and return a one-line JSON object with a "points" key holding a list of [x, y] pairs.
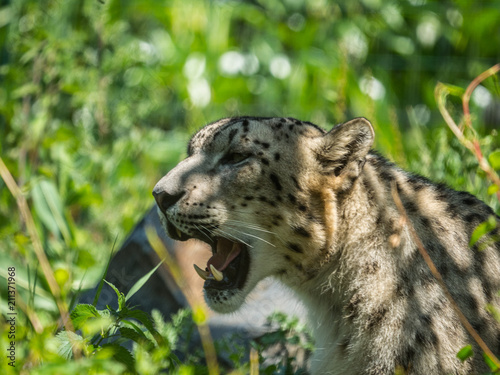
{"points": [[217, 274], [179, 233], [203, 274]]}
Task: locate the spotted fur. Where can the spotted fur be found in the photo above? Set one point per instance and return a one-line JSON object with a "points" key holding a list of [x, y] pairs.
{"points": [[316, 210]]}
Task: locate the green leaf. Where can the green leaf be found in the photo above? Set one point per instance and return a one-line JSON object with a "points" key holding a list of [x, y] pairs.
{"points": [[122, 355], [146, 321], [482, 229], [26, 89], [494, 159], [134, 326], [454, 90], [49, 208], [81, 313], [199, 315], [67, 341], [493, 311], [134, 335], [465, 353], [492, 189], [120, 295], [101, 283], [138, 285], [142, 317], [5, 16], [490, 362]]}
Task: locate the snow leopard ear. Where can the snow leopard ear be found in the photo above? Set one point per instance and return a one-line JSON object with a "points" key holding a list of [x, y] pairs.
{"points": [[344, 148]]}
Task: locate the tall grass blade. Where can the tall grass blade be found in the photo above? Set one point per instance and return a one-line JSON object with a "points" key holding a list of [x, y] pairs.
{"points": [[143, 280], [101, 283]]}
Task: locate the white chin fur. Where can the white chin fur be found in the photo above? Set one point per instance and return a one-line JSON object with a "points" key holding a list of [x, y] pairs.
{"points": [[233, 301], [228, 301]]}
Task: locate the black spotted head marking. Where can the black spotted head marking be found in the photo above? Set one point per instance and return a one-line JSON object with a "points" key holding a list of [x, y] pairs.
{"points": [[241, 166]]}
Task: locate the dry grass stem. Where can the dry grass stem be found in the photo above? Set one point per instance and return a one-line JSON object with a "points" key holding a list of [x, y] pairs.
{"points": [[440, 280], [38, 248], [197, 308], [254, 362]]}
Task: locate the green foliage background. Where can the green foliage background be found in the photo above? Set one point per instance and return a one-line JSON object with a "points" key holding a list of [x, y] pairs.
{"points": [[98, 98]]}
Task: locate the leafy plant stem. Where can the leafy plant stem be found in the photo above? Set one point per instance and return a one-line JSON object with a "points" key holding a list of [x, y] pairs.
{"points": [[106, 334]]}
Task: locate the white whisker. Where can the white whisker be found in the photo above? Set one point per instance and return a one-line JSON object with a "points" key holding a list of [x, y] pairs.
{"points": [[251, 235], [230, 235], [256, 227], [250, 226], [204, 231]]}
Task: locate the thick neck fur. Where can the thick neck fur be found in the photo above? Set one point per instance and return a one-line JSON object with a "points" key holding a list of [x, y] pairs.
{"points": [[375, 291], [359, 238]]}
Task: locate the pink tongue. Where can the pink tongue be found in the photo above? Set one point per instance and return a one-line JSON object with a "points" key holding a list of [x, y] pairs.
{"points": [[225, 253]]}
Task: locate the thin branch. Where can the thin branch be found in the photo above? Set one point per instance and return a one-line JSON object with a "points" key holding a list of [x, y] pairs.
{"points": [[440, 280], [472, 86], [441, 92]]}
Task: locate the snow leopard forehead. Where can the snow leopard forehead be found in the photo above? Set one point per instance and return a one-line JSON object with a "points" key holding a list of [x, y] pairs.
{"points": [[219, 134]]}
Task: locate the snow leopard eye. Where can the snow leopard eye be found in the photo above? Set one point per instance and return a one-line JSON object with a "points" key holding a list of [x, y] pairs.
{"points": [[232, 158]]}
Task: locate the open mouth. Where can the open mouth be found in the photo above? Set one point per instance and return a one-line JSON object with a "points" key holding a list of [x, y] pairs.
{"points": [[227, 268]]}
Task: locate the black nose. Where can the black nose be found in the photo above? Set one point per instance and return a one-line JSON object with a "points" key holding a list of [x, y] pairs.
{"points": [[165, 200]]}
